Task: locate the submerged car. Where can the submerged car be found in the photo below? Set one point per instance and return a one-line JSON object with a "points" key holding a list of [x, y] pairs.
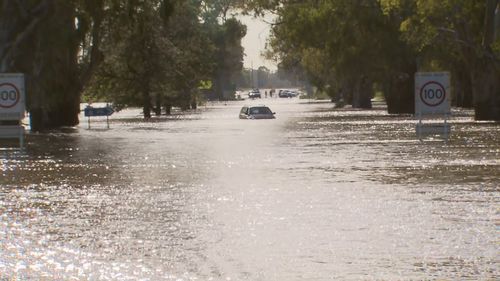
{"points": [[256, 112]]}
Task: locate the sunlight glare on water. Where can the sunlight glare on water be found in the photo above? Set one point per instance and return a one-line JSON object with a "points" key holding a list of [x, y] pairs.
{"points": [[316, 194]]}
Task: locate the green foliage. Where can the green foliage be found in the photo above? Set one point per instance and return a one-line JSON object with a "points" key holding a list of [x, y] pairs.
{"points": [[159, 51], [47, 39], [130, 52], [156, 53], [227, 55], [205, 85], [338, 41], [456, 35], [334, 41], [134, 52]]}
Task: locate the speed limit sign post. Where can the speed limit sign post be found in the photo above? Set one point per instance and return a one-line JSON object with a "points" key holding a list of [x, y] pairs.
{"points": [[12, 105], [432, 100]]}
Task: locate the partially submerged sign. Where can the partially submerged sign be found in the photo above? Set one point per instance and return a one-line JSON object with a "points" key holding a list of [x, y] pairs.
{"points": [[12, 106], [91, 111], [98, 111], [13, 132], [432, 99], [12, 96], [433, 129]]}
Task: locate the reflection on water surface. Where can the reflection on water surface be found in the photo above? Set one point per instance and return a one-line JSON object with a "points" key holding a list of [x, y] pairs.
{"points": [[317, 194]]}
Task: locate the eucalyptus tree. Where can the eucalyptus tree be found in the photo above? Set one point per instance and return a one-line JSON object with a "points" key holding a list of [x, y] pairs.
{"points": [[344, 46], [191, 56], [386, 41], [136, 51], [226, 32], [55, 43], [466, 30], [160, 52]]}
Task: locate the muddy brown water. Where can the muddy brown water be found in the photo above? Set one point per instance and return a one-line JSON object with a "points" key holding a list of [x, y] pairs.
{"points": [[316, 194]]}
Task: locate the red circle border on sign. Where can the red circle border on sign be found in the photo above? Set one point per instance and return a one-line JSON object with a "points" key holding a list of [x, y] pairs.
{"points": [[18, 95], [432, 82]]}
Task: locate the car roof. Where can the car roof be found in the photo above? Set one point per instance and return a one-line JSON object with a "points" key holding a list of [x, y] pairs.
{"points": [[255, 105]]}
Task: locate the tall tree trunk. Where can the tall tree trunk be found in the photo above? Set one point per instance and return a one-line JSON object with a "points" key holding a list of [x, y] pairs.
{"points": [[400, 95], [20, 51], [462, 87], [400, 91], [223, 85], [64, 87], [185, 100], [194, 101], [168, 109], [40, 39], [486, 73], [363, 93], [486, 86], [356, 94], [168, 105], [157, 105], [218, 86], [348, 88], [146, 104]]}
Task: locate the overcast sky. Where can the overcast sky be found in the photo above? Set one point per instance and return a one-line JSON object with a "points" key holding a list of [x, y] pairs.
{"points": [[255, 42]]}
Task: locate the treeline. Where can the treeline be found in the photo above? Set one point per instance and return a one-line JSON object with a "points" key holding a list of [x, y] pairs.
{"points": [[149, 53], [162, 53], [351, 48]]}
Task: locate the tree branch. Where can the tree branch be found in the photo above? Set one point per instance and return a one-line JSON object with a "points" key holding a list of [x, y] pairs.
{"points": [[96, 56], [38, 14]]}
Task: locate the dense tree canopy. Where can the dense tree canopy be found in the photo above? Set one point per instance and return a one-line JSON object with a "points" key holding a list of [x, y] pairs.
{"points": [[159, 61], [148, 53], [351, 47], [56, 44], [458, 35], [158, 53]]}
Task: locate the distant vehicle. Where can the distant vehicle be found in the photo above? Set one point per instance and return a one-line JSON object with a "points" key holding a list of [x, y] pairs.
{"points": [[256, 112], [287, 94], [253, 94]]}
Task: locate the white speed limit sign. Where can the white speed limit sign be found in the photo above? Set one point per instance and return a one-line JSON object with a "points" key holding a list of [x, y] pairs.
{"points": [[11, 96], [432, 93]]}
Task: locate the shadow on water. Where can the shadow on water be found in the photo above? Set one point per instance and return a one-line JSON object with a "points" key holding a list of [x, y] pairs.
{"points": [[48, 156]]}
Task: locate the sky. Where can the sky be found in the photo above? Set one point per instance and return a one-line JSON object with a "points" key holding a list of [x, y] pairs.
{"points": [[255, 42]]}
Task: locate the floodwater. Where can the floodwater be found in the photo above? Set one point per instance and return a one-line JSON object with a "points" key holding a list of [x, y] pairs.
{"points": [[316, 194]]}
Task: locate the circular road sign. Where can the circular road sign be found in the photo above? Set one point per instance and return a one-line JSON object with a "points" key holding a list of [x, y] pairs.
{"points": [[432, 93], [9, 95]]}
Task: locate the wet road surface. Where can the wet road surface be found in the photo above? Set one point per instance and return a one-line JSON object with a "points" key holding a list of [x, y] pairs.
{"points": [[316, 194]]}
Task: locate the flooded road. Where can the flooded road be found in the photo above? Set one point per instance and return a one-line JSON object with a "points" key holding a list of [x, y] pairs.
{"points": [[316, 194]]}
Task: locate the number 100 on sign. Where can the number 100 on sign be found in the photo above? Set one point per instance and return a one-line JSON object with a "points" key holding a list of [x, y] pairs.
{"points": [[432, 93], [9, 95]]}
